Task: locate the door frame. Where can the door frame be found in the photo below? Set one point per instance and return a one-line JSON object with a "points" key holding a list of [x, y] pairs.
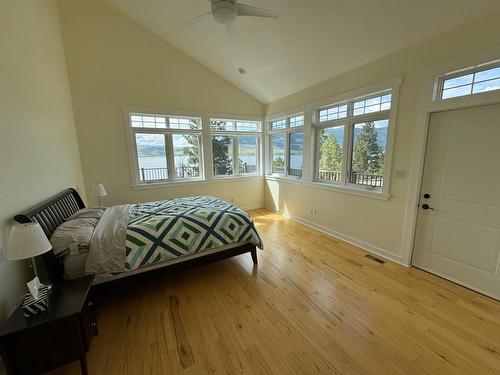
{"points": [[427, 105]]}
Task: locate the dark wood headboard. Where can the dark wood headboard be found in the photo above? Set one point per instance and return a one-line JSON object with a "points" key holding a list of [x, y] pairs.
{"points": [[50, 214]]}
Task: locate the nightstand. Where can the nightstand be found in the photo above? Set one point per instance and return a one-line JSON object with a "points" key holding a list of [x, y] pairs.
{"points": [[61, 336]]}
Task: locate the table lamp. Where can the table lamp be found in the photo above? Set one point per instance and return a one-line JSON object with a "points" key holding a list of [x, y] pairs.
{"points": [[98, 191], [27, 241]]}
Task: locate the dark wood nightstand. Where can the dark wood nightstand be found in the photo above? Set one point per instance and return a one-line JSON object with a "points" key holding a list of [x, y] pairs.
{"points": [[61, 336]]}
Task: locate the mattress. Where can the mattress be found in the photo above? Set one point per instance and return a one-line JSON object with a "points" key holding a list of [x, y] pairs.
{"points": [[74, 265]]}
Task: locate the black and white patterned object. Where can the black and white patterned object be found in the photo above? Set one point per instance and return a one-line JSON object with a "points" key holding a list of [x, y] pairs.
{"points": [[32, 306]]}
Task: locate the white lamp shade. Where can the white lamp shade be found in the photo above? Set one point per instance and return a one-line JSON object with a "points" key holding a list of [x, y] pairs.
{"points": [[27, 241], [98, 190]]}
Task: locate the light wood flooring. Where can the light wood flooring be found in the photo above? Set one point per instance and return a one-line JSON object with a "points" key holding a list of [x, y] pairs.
{"points": [[313, 305]]}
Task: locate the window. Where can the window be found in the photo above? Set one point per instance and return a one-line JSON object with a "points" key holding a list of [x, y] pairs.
{"points": [[296, 121], [287, 146], [472, 82], [331, 149], [222, 150], [296, 154], [368, 153], [166, 148], [332, 113], [359, 161], [278, 153], [235, 147], [375, 104], [280, 124]]}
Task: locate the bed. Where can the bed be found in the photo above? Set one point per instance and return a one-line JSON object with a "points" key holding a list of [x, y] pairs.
{"points": [[133, 239]]}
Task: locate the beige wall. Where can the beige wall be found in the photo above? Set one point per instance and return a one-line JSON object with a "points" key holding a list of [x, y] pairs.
{"points": [[379, 224], [115, 62], [38, 148]]}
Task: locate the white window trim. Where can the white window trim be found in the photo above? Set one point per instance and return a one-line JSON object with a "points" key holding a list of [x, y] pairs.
{"points": [[286, 131], [236, 161], [310, 116], [439, 80], [169, 148], [348, 124], [206, 161]]}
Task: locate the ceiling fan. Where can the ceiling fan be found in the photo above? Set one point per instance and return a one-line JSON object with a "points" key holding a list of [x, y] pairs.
{"points": [[225, 12]]}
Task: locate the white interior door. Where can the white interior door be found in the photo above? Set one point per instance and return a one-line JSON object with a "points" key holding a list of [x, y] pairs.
{"points": [[458, 227]]}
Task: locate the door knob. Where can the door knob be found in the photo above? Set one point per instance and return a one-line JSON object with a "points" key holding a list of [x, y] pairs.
{"points": [[427, 195], [425, 206]]}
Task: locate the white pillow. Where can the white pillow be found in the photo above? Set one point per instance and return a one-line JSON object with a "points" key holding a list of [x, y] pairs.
{"points": [[87, 213], [73, 234]]}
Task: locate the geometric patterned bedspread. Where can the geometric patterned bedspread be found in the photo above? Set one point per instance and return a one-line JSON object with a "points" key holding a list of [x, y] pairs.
{"points": [[165, 230]]}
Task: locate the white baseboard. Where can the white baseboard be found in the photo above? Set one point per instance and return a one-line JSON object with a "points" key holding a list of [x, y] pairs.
{"points": [[255, 207], [353, 241]]}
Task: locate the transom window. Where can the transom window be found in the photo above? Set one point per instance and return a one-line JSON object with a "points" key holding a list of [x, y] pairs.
{"points": [[332, 113], [370, 105], [351, 150], [279, 124], [234, 125], [164, 122], [235, 147], [166, 148], [287, 146], [471, 82], [296, 121]]}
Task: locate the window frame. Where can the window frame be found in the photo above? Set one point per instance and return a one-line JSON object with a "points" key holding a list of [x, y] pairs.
{"points": [[347, 148], [235, 134], [393, 85], [440, 80], [286, 131], [167, 133]]}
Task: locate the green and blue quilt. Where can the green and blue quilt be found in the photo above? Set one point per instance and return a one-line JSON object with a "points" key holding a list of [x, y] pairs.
{"points": [[165, 230]]}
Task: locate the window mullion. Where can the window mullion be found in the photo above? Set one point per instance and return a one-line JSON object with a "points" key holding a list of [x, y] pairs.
{"points": [[236, 161], [170, 157], [347, 152], [287, 152], [206, 140]]}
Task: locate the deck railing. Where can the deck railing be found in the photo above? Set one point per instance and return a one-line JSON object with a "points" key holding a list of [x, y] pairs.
{"points": [[329, 175], [186, 172], [244, 168], [374, 180], [158, 174], [367, 179]]}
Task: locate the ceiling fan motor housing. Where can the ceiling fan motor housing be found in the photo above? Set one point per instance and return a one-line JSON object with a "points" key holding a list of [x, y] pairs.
{"points": [[224, 11]]}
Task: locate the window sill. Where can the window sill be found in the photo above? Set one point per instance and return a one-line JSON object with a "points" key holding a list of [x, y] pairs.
{"points": [[163, 184], [330, 187], [236, 177]]}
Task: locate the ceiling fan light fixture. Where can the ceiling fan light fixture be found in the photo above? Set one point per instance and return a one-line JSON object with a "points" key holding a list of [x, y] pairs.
{"points": [[224, 12]]}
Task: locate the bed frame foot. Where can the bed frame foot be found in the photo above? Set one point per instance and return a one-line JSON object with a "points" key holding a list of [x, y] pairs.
{"points": [[254, 256]]}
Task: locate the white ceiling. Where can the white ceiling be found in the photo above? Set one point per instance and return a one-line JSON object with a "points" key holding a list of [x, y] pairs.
{"points": [[310, 42]]}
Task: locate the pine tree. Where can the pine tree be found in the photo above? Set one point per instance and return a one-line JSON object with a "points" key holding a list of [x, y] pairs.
{"points": [[368, 156], [331, 154], [221, 153]]}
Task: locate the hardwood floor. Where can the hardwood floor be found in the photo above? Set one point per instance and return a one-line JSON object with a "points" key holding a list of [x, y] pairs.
{"points": [[313, 305]]}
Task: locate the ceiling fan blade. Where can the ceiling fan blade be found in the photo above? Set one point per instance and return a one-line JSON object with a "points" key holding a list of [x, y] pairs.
{"points": [[193, 20], [231, 29], [248, 10]]}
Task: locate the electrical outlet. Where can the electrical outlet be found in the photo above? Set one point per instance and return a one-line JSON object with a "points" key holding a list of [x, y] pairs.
{"points": [[313, 211], [400, 173]]}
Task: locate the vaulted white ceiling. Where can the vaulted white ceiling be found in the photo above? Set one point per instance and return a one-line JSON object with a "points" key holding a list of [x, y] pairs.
{"points": [[313, 40]]}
